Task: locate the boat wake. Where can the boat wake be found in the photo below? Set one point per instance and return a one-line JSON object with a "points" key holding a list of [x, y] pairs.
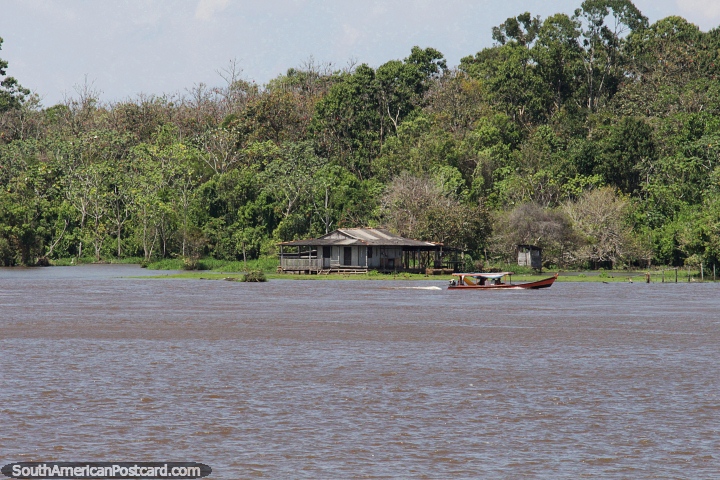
{"points": [[415, 288]]}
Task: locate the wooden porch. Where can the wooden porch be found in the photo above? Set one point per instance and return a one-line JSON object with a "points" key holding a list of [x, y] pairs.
{"points": [[310, 266]]}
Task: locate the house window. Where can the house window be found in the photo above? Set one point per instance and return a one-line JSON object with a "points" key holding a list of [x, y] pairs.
{"points": [[369, 252], [327, 252]]}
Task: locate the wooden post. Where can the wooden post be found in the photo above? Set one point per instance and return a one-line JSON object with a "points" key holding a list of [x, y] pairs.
{"points": [[675, 274], [647, 277], [244, 258], [663, 276], [713, 272], [702, 274]]}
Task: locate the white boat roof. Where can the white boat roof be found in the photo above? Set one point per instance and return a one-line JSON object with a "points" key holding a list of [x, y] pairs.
{"points": [[492, 275]]}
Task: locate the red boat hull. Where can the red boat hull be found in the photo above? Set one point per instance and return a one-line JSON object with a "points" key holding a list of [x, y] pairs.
{"points": [[544, 283]]}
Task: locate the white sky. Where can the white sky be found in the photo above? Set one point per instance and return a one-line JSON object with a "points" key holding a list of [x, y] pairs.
{"points": [[128, 47]]}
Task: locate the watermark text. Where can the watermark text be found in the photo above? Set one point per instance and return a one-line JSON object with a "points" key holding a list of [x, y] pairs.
{"points": [[104, 470]]}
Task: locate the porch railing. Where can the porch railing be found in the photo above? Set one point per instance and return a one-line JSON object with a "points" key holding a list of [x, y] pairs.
{"points": [[301, 263]]}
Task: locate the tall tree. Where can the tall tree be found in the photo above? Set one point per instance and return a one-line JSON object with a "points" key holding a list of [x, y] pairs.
{"points": [[532, 224], [522, 30], [558, 54], [290, 179], [348, 122], [12, 93], [418, 207], [627, 155], [513, 80], [365, 107], [606, 26], [600, 220]]}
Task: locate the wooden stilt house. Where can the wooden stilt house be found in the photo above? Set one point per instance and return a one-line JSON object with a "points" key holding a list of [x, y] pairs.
{"points": [[363, 249]]}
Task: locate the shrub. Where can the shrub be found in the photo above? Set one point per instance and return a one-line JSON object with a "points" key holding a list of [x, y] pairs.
{"points": [[254, 276], [190, 263], [194, 264]]}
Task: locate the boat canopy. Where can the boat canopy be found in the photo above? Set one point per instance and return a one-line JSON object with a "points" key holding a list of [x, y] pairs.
{"points": [[488, 276]]}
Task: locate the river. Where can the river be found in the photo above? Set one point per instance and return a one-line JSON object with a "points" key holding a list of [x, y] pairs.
{"points": [[360, 379]]}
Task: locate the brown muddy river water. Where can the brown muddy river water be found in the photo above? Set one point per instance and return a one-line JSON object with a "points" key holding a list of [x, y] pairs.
{"points": [[360, 379]]}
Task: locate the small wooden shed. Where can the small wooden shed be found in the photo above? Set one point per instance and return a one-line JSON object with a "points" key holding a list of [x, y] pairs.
{"points": [[529, 256]]}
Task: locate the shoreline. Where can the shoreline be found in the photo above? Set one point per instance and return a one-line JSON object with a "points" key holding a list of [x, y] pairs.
{"points": [[564, 277], [219, 273]]}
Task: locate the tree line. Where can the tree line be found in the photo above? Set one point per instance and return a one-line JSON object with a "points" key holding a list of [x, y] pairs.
{"points": [[595, 136]]}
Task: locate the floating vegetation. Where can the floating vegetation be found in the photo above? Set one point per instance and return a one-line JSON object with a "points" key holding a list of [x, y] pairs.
{"points": [[254, 276]]}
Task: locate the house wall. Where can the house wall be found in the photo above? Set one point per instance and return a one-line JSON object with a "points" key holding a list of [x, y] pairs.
{"points": [[338, 256], [383, 258], [374, 262], [380, 257], [388, 257], [524, 258], [530, 258], [536, 259]]}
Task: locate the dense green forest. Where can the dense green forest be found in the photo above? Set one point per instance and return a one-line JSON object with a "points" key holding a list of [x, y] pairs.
{"points": [[594, 135]]}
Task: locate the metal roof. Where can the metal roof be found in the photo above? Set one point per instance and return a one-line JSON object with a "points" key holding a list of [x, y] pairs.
{"points": [[362, 236], [529, 247]]}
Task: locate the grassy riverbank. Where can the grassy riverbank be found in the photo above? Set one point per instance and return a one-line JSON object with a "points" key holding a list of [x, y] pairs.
{"points": [[656, 276], [211, 269], [72, 261], [264, 264], [230, 275]]}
